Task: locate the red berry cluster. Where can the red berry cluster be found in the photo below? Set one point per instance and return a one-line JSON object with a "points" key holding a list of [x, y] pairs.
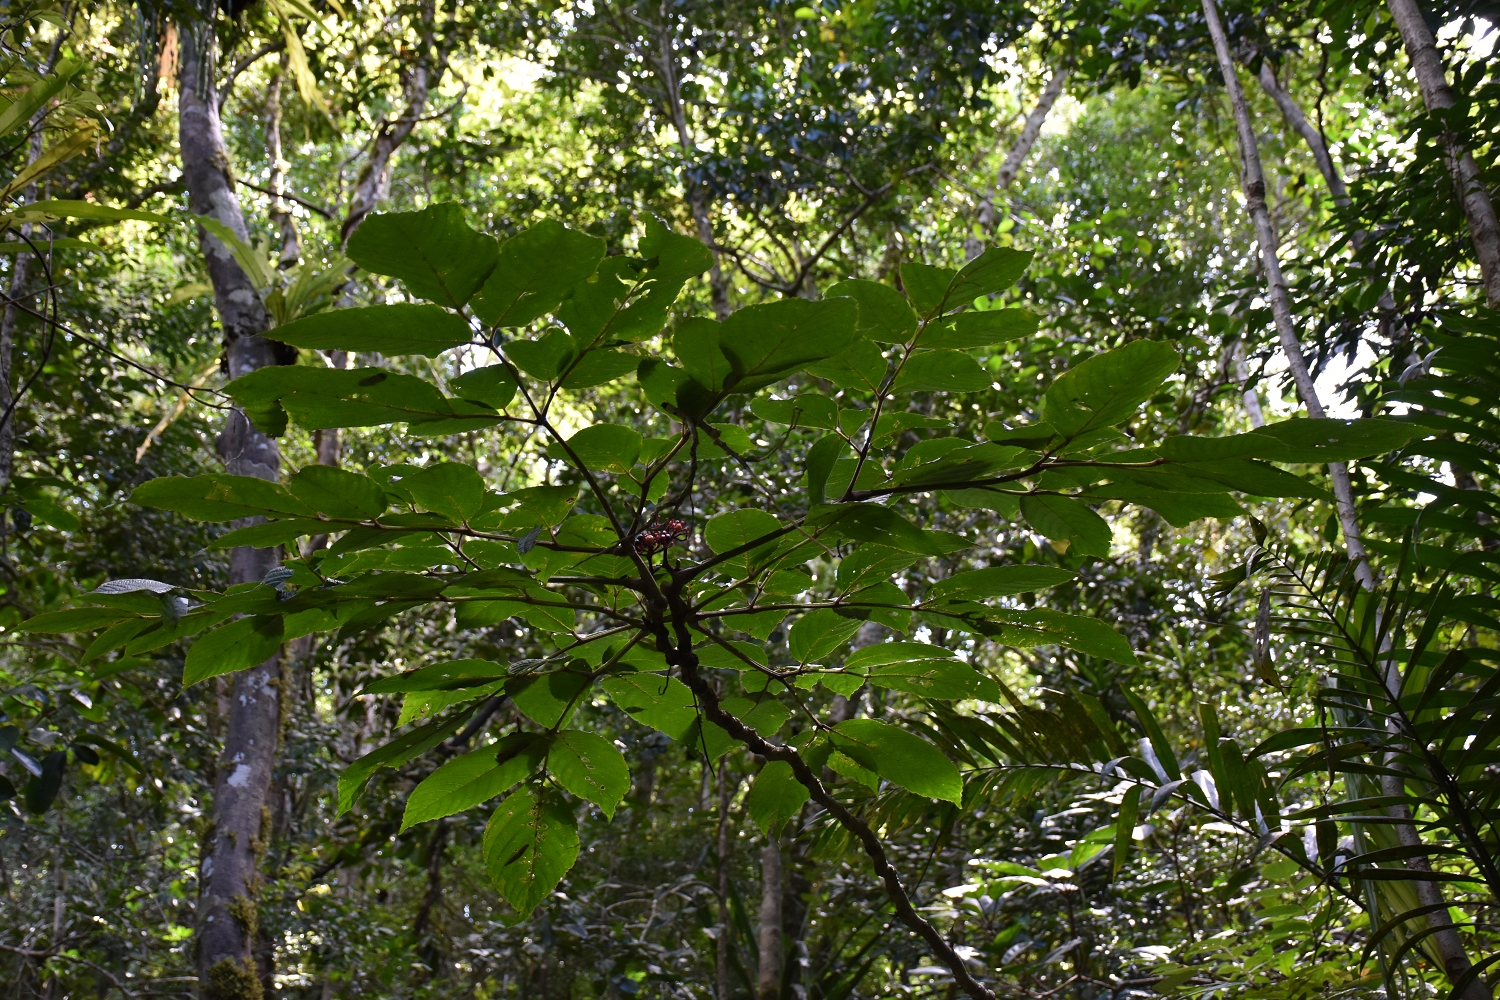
{"points": [[658, 536]]}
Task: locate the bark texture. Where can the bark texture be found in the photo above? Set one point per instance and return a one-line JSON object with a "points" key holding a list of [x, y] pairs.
{"points": [[1299, 123], [374, 181], [721, 942], [772, 894], [280, 213], [1010, 167], [1254, 182], [235, 839], [1479, 210]]}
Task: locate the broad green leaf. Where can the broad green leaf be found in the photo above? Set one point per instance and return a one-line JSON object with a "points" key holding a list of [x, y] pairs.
{"points": [[540, 505], [338, 493], [941, 371], [35, 97], [821, 458], [535, 270], [969, 330], [884, 315], [529, 845], [448, 488], [666, 705], [1000, 581], [806, 410], [663, 384], [440, 677], [962, 464], [393, 330], [493, 385], [1108, 388], [1065, 519], [1177, 509], [475, 777], [1242, 474], [322, 398], [597, 309], [818, 633], [590, 767], [993, 271], [900, 757], [860, 367], [433, 252], [870, 563], [603, 448], [729, 531], [239, 645], [1300, 440], [946, 680], [550, 699], [63, 209], [51, 513], [926, 286], [598, 367], [696, 344], [73, 620], [395, 753], [997, 499], [868, 522], [767, 342], [546, 357], [1043, 626], [776, 796], [882, 653], [219, 497]]}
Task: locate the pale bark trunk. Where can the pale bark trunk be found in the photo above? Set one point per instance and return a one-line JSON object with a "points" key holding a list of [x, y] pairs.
{"points": [[373, 184], [1254, 181], [280, 213], [1010, 167], [721, 943], [1249, 393], [228, 879], [1447, 941], [19, 275], [1479, 210], [772, 890], [1299, 123]]}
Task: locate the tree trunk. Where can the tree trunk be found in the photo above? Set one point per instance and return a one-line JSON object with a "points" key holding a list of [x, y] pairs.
{"points": [[228, 879], [20, 271], [768, 982], [1254, 181], [721, 943], [1011, 166], [1299, 123], [280, 213], [1248, 392], [373, 184], [1479, 210]]}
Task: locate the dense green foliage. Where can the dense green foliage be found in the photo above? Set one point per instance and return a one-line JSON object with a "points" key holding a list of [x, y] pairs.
{"points": [[693, 563]]}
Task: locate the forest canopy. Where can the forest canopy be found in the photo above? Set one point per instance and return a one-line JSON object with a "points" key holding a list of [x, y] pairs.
{"points": [[722, 501]]}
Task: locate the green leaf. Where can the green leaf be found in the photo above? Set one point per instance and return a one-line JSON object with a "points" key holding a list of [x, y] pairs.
{"points": [[546, 357], [1154, 733], [323, 398], [818, 633], [433, 252], [806, 410], [696, 344], [440, 677], [337, 492], [821, 458], [941, 371], [900, 757], [448, 488], [74, 620], [663, 383], [1302, 440], [729, 531], [394, 330], [1065, 519], [666, 705], [395, 753], [603, 448], [597, 309], [493, 385], [993, 271], [1130, 809], [1108, 388], [969, 330], [468, 780], [776, 796], [884, 315], [535, 270], [868, 522], [529, 845], [50, 512], [860, 367], [946, 680], [963, 464], [550, 699], [1177, 509], [926, 286], [546, 506], [219, 497], [1000, 581], [882, 653], [63, 209], [239, 645], [768, 342], [590, 767], [598, 367], [1042, 626], [1245, 475]]}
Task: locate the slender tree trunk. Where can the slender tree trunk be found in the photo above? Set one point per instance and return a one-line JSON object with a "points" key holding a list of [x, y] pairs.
{"points": [[1447, 941], [373, 184], [1479, 210], [280, 213], [721, 942], [772, 891], [1010, 167], [20, 271], [1299, 123], [1254, 180], [697, 195], [228, 878], [1248, 392]]}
